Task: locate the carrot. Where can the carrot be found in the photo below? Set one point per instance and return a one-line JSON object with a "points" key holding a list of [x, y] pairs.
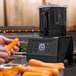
{"points": [[61, 67], [38, 63], [34, 74], [12, 44], [19, 68], [32, 69], [1, 74], [22, 68], [61, 64], [54, 71]]}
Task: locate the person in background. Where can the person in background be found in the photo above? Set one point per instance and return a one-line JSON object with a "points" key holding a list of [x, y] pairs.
{"points": [[4, 53]]}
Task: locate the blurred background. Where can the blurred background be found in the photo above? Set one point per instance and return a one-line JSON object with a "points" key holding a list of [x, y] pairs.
{"points": [[26, 12]]}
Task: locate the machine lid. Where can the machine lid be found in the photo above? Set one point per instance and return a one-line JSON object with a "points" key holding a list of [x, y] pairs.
{"points": [[53, 5]]}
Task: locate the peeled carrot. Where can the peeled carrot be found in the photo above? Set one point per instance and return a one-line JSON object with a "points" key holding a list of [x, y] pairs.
{"points": [[22, 68], [38, 63], [61, 67], [12, 44], [53, 71], [19, 68], [32, 69], [8, 71], [34, 74], [61, 64]]}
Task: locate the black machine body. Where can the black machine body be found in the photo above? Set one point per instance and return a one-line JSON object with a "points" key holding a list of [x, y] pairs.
{"points": [[54, 49], [52, 20]]}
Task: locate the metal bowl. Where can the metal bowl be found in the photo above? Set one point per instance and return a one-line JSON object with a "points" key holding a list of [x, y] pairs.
{"points": [[8, 65]]}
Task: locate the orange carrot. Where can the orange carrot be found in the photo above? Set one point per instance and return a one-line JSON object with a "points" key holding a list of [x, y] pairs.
{"points": [[19, 68], [12, 44], [22, 68], [54, 71], [34, 74], [38, 63], [60, 65], [8, 71], [32, 69]]}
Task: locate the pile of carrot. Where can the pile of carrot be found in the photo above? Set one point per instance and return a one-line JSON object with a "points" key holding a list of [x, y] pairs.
{"points": [[8, 72], [35, 68], [39, 68]]}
